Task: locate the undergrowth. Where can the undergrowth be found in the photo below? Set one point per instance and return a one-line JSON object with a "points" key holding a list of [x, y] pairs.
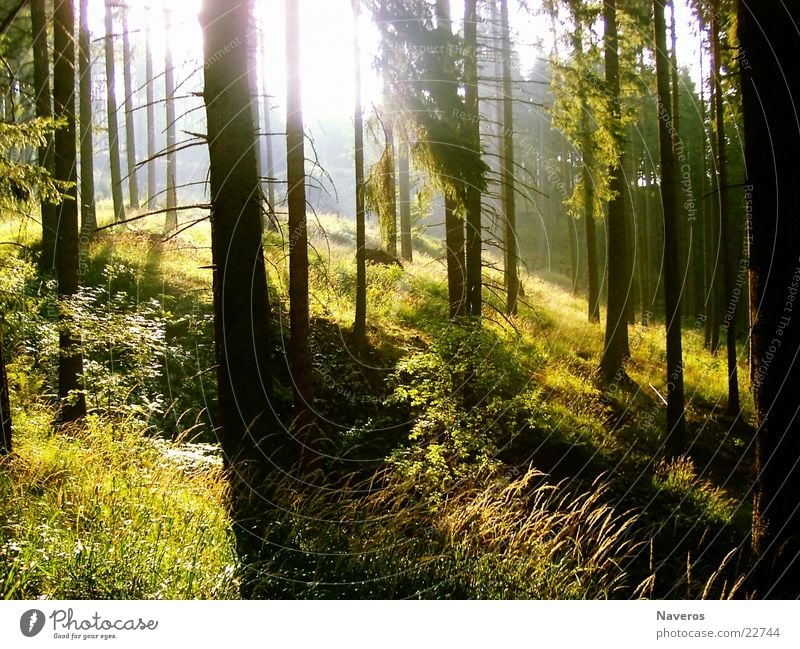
{"points": [[467, 461]]}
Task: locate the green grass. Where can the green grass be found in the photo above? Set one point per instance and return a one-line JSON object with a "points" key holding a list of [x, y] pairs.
{"points": [[536, 480], [106, 511]]}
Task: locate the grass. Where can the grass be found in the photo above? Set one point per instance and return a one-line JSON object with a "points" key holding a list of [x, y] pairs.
{"points": [[469, 464], [106, 511]]}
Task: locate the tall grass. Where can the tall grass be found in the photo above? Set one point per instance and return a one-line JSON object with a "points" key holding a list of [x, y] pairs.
{"points": [[102, 511], [518, 537]]}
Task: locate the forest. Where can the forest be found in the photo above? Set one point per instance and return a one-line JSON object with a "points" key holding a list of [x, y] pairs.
{"points": [[388, 299]]}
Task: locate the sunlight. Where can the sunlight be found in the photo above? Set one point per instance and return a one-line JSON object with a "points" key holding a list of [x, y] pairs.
{"points": [[327, 54]]}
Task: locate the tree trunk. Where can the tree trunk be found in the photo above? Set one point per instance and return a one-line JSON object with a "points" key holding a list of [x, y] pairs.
{"points": [[41, 77], [680, 213], [130, 135], [589, 204], [240, 287], [731, 300], [299, 352], [113, 126], [456, 263], [675, 441], [473, 239], [5, 408], [390, 226], [88, 210], [171, 218], [509, 207], [769, 43], [612, 364], [70, 359], [404, 190], [589, 200], [152, 185], [569, 221], [360, 323], [454, 226]]}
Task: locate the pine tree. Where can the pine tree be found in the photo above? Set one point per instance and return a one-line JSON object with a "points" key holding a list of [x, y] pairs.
{"points": [[70, 359]]}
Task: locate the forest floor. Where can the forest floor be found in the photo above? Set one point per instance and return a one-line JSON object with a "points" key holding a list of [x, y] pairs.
{"points": [[459, 461]]}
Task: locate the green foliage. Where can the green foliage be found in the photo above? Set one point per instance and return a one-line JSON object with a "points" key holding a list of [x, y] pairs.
{"points": [[426, 64], [463, 393], [22, 182]]}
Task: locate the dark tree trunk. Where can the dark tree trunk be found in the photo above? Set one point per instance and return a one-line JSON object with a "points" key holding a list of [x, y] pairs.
{"points": [[41, 77], [723, 193], [404, 203], [589, 200], [88, 211], [130, 131], [456, 264], [454, 226], [152, 185], [675, 440], [360, 323], [240, 288], [70, 359], [171, 218], [253, 441], [509, 207], [569, 221], [770, 96], [113, 126], [612, 364], [473, 239], [5, 407], [715, 250], [680, 213], [589, 204], [299, 352]]}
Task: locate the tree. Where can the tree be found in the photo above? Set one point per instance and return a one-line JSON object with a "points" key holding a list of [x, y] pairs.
{"points": [[722, 196], [171, 218], [454, 226], [578, 113], [676, 425], [152, 186], [360, 323], [299, 351], [511, 261], [130, 134], [770, 96], [239, 277], [472, 206], [44, 109], [404, 200], [446, 141], [612, 364], [70, 359], [88, 210], [113, 126], [5, 407]]}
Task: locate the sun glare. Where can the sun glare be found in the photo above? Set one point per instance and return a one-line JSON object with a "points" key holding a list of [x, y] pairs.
{"points": [[327, 48]]}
